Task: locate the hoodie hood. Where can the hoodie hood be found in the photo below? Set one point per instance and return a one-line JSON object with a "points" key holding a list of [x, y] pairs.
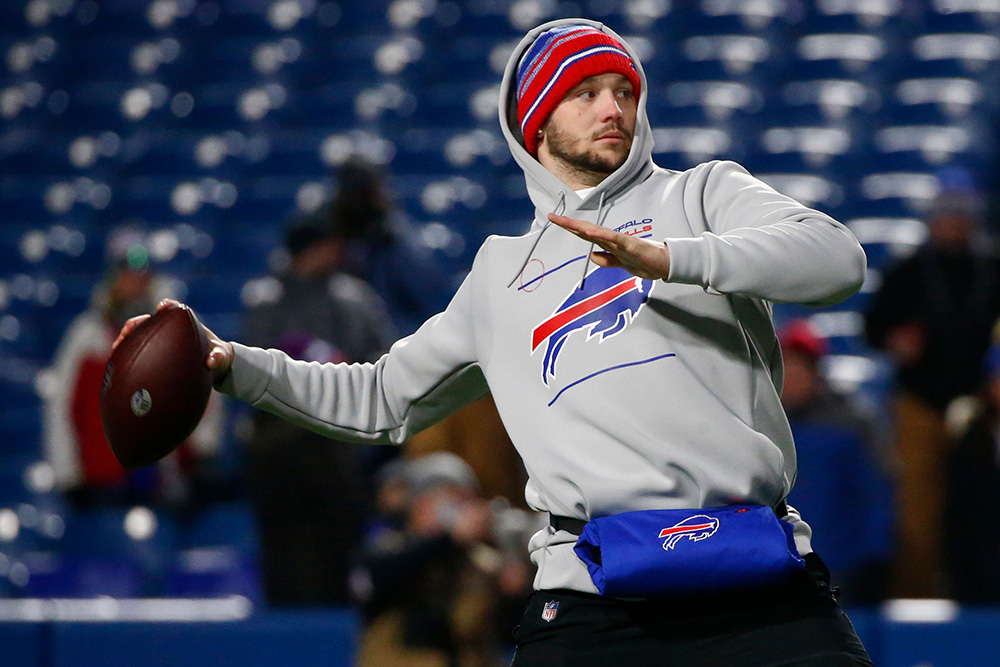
{"points": [[547, 192]]}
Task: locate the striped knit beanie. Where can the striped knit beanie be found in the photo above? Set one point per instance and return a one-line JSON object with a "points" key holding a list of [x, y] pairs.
{"points": [[558, 61]]}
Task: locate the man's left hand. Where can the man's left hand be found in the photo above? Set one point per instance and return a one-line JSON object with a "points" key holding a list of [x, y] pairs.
{"points": [[644, 258]]}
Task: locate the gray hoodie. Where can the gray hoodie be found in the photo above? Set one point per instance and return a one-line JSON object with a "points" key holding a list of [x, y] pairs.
{"points": [[619, 393]]}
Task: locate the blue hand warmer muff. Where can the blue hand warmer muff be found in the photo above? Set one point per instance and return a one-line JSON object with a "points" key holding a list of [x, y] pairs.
{"points": [[667, 552]]}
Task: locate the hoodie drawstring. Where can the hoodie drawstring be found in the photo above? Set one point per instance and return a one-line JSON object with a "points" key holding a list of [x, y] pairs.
{"points": [[559, 210], [600, 223]]}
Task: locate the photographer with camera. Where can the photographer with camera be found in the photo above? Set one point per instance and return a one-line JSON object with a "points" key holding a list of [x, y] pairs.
{"points": [[437, 568]]}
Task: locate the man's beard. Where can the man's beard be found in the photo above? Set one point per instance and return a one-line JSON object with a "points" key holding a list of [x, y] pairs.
{"points": [[590, 166]]}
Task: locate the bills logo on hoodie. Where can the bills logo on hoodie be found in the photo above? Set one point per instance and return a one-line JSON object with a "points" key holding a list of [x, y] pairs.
{"points": [[610, 299]]}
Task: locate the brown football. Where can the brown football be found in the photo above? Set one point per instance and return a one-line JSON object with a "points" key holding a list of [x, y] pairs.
{"points": [[156, 387]]}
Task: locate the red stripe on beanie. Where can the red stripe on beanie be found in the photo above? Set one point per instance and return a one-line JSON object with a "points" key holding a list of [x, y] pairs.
{"points": [[558, 61]]}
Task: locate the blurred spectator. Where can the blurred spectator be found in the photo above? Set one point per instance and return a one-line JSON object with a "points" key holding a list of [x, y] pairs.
{"points": [[843, 486], [384, 248], [439, 568], [310, 494], [75, 446], [476, 434], [933, 315], [973, 497]]}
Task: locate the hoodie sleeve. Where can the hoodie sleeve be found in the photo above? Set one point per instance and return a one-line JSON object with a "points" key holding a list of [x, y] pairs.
{"points": [[421, 380], [761, 243]]}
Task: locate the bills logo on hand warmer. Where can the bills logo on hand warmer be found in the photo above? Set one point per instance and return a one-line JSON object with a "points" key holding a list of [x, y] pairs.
{"points": [[610, 299], [696, 528]]}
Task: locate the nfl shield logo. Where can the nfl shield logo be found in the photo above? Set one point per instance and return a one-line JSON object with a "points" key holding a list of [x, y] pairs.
{"points": [[550, 610]]}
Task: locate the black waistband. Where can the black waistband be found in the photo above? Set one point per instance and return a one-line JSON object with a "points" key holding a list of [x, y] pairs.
{"points": [[575, 526], [569, 524]]}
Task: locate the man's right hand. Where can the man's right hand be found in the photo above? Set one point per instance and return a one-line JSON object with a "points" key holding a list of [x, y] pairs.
{"points": [[220, 354]]}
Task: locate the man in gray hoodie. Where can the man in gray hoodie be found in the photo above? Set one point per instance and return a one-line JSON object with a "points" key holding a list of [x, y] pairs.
{"points": [[643, 376]]}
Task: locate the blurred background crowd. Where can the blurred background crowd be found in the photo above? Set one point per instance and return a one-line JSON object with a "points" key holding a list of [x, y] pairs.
{"points": [[316, 175]]}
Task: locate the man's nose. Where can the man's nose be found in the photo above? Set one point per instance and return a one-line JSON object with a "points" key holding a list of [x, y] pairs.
{"points": [[609, 107]]}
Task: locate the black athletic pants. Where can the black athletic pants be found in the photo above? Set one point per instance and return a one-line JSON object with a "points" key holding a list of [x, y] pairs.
{"points": [[795, 625]]}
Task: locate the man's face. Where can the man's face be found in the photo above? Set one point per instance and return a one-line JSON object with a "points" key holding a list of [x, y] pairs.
{"points": [[589, 134]]}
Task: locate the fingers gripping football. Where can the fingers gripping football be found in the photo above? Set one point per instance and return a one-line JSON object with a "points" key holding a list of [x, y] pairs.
{"points": [[220, 355]]}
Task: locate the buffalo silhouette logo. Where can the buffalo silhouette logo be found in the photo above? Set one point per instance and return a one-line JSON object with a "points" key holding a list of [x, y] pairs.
{"points": [[608, 302], [695, 528]]}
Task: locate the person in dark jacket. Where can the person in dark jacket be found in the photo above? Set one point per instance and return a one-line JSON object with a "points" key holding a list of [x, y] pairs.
{"points": [[310, 495], [973, 498], [933, 315]]}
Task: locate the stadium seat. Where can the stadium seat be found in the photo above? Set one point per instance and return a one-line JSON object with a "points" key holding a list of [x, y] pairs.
{"points": [[425, 150], [811, 190], [219, 292], [219, 106], [20, 334], [931, 147], [683, 147], [119, 105], [826, 101], [859, 56], [745, 58], [717, 100], [23, 426], [887, 240], [857, 15], [148, 17], [155, 201], [940, 100], [770, 20], [218, 555], [14, 484], [53, 575], [36, 56], [269, 199], [121, 553], [818, 150], [292, 154], [166, 154], [33, 152], [138, 531], [969, 16], [955, 55], [11, 257], [244, 248], [52, 250], [899, 194], [31, 510], [24, 198], [29, 104]]}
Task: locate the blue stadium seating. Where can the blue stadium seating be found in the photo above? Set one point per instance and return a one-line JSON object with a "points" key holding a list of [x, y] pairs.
{"points": [[21, 417], [825, 100], [218, 555], [121, 553], [952, 53], [14, 486]]}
